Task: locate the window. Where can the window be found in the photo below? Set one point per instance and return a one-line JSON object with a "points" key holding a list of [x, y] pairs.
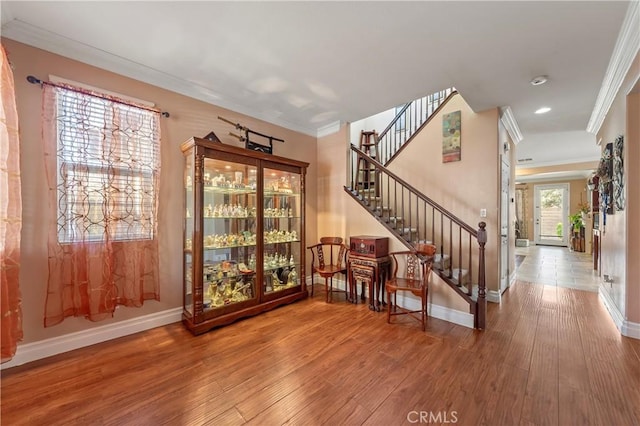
{"points": [[107, 165]]}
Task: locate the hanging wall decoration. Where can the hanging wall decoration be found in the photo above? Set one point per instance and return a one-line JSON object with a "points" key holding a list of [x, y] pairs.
{"points": [[618, 174], [605, 173], [451, 146]]}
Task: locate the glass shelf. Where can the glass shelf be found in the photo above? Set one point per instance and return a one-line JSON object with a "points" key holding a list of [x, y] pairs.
{"points": [[227, 247], [232, 191], [280, 194]]}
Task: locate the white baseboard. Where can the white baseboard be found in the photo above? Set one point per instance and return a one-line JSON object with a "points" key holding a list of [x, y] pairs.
{"points": [[608, 302], [630, 329], [493, 296], [464, 319], [57, 345], [626, 327]]}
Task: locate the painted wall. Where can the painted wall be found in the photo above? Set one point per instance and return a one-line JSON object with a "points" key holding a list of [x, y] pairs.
{"points": [[332, 174], [632, 170], [620, 243], [189, 117]]}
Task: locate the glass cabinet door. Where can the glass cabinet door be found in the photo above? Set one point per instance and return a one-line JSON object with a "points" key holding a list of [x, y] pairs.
{"points": [[282, 219], [228, 234], [188, 235]]}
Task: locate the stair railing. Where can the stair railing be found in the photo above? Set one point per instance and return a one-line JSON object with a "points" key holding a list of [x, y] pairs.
{"points": [[407, 122], [413, 217]]}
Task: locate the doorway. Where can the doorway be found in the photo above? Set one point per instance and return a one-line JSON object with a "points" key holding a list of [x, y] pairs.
{"points": [[551, 214]]}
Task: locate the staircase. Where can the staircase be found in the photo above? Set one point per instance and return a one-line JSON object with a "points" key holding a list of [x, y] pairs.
{"points": [[413, 217]]}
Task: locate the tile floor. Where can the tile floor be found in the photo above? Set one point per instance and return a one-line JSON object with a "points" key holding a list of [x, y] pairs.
{"points": [[557, 266]]}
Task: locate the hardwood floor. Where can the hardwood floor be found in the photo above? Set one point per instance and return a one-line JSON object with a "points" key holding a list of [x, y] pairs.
{"points": [[550, 355]]}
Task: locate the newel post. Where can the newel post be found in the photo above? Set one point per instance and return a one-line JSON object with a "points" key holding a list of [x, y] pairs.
{"points": [[482, 297]]}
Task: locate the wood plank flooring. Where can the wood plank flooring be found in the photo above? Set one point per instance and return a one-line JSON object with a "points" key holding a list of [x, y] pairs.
{"points": [[551, 355]]}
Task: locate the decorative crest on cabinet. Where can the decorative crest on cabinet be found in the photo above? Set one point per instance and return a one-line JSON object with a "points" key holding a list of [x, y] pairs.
{"points": [[248, 143]]}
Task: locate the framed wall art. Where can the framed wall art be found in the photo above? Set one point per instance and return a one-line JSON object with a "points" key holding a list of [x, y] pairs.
{"points": [[451, 142]]}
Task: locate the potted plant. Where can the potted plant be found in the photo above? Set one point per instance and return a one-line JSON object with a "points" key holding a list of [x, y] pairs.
{"points": [[576, 221]]}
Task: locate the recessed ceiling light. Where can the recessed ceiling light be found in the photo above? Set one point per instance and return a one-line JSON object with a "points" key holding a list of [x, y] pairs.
{"points": [[537, 81], [543, 110]]}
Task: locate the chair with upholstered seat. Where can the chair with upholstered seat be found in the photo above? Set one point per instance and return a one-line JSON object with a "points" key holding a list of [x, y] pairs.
{"points": [[417, 266], [328, 258]]}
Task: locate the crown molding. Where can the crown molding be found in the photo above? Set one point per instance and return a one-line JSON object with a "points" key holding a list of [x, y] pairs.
{"points": [[575, 160], [624, 53], [42, 39], [510, 123], [538, 179], [329, 129]]}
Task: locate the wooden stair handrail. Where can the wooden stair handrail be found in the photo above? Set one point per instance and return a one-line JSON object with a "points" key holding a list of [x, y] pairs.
{"points": [[418, 194], [394, 120], [424, 123], [389, 144]]}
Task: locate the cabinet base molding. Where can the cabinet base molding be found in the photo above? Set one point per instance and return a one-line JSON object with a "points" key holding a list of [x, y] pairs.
{"points": [[56, 345], [207, 325]]}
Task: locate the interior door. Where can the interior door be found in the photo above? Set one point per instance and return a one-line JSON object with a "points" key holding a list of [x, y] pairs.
{"points": [[551, 214], [504, 226]]}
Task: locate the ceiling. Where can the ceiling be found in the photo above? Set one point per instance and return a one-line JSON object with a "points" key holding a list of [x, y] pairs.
{"points": [[308, 65]]}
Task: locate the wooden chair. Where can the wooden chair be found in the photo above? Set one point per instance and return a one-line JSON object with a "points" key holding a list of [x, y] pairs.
{"points": [[328, 258], [415, 280]]}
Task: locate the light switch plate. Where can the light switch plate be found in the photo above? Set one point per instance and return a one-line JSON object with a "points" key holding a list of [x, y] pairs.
{"points": [[483, 212]]}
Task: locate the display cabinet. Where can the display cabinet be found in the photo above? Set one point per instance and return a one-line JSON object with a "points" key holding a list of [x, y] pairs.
{"points": [[243, 233]]}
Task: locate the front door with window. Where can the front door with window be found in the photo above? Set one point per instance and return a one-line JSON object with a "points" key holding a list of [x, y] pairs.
{"points": [[551, 213]]}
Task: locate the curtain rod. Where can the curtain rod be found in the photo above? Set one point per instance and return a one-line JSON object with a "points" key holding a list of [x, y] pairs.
{"points": [[34, 80]]}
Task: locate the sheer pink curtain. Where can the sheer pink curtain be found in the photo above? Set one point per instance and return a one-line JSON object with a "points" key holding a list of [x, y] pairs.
{"points": [[10, 214], [102, 164]]}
